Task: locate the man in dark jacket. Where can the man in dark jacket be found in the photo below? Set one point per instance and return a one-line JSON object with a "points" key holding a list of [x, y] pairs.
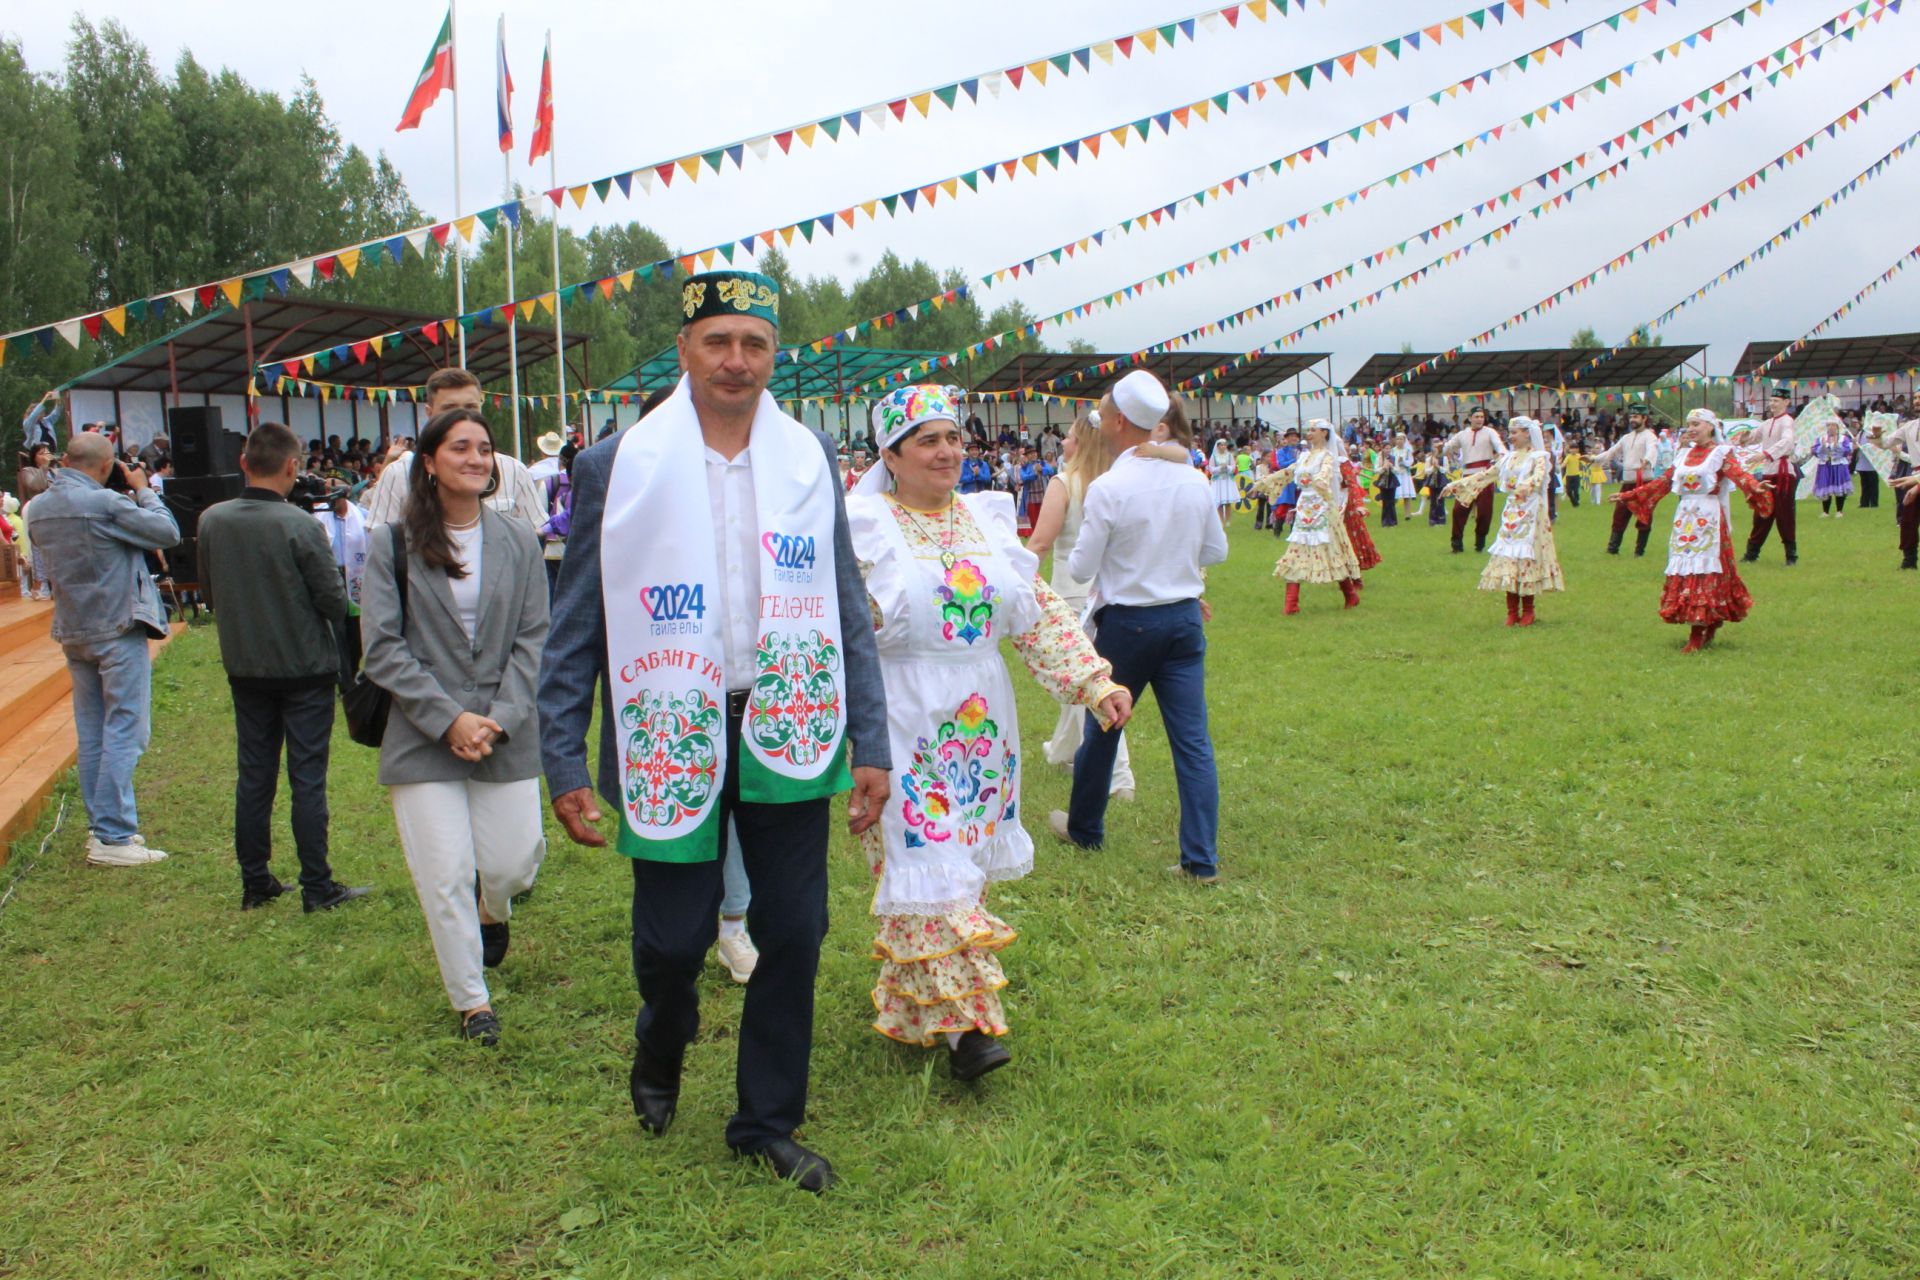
{"points": [[277, 596]]}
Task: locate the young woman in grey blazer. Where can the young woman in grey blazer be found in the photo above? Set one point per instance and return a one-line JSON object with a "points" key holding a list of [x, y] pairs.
{"points": [[461, 754]]}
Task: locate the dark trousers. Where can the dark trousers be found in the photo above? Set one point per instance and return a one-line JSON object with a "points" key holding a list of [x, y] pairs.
{"points": [[676, 916], [300, 721], [1869, 482], [1901, 470], [1622, 513], [1783, 514], [1389, 511], [1573, 490], [1163, 647], [1482, 508], [1909, 514], [1436, 506]]}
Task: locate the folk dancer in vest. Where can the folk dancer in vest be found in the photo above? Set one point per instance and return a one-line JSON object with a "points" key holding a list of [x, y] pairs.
{"points": [[727, 625], [1319, 547], [1636, 451], [1475, 447], [1523, 561], [1703, 589], [1904, 445], [1776, 441], [948, 580]]}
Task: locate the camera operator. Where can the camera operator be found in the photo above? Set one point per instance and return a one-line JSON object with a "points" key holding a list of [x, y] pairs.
{"points": [[277, 598]]}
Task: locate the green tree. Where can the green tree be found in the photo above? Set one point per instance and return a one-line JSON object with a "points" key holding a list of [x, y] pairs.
{"points": [[1584, 339]]}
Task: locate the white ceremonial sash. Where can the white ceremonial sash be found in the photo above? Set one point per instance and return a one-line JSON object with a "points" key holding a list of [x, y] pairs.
{"points": [[666, 649]]}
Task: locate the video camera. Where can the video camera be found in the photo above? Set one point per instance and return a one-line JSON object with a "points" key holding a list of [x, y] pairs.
{"points": [[315, 492]]}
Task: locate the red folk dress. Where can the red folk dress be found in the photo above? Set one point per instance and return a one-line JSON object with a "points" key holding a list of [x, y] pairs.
{"points": [[1364, 552], [1703, 586]]}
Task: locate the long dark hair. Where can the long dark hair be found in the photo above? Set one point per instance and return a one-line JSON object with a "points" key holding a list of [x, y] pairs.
{"points": [[426, 520]]}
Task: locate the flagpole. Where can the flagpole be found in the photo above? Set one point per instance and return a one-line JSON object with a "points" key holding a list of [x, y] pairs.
{"points": [[559, 308], [512, 233], [459, 260]]}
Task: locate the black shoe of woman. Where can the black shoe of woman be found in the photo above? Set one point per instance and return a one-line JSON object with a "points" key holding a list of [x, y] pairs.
{"points": [[975, 1055], [482, 1026], [493, 943]]}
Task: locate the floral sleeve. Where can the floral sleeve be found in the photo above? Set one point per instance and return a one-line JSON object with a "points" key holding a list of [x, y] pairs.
{"points": [[1468, 486], [1759, 495], [1059, 655], [1641, 499]]}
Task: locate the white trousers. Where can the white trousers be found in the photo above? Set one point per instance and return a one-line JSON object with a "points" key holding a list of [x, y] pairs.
{"points": [[1065, 744], [453, 831]]}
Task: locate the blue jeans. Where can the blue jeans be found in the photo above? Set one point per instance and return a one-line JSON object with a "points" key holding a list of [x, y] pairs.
{"points": [[1163, 647], [736, 893], [112, 717]]}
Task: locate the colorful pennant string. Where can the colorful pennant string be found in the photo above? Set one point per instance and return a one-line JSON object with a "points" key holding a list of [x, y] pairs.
{"points": [[1749, 183], [1760, 370], [1783, 62]]}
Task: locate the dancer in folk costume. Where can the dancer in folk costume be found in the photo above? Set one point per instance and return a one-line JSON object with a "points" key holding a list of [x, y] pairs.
{"points": [[1405, 490], [1318, 547], [1904, 446], [1226, 490], [947, 580], [1832, 458], [1778, 442], [1703, 588], [1522, 561], [1475, 447], [1354, 516], [1637, 451]]}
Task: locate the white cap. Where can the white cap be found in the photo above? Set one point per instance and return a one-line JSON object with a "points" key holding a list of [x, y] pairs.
{"points": [[1141, 399]]}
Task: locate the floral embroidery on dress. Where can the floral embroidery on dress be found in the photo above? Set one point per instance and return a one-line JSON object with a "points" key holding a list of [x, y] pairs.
{"points": [[1695, 532], [967, 603], [949, 790]]}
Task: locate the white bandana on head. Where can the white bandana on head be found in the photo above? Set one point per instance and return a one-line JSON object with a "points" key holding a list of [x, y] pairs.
{"points": [[666, 661]]}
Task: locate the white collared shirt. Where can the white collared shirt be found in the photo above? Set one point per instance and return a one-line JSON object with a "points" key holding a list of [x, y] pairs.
{"points": [[1475, 444], [736, 536], [1638, 452], [1147, 529]]}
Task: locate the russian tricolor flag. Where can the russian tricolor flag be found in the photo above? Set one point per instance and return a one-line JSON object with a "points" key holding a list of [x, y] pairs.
{"points": [[503, 94]]}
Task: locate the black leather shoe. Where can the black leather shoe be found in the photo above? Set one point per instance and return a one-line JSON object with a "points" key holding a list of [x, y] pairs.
{"points": [[493, 943], [655, 1088], [795, 1163], [331, 894], [481, 1026], [253, 896], [975, 1055]]}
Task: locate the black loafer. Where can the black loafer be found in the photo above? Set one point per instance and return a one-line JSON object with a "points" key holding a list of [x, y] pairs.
{"points": [[493, 943], [482, 1027], [331, 894], [655, 1088], [252, 896], [975, 1055], [794, 1163]]}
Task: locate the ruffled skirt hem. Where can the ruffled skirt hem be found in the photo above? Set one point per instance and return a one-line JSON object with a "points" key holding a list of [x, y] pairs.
{"points": [[1522, 577], [1699, 599], [940, 974], [1326, 563]]}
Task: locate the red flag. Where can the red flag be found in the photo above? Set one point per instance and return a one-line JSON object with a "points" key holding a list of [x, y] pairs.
{"points": [[436, 74], [543, 111]]}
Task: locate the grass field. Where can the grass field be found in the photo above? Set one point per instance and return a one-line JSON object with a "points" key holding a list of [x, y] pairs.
{"points": [[1542, 953]]}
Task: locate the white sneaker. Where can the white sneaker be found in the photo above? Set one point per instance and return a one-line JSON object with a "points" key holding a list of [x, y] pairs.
{"points": [[1123, 794], [134, 853], [737, 952], [44, 593]]}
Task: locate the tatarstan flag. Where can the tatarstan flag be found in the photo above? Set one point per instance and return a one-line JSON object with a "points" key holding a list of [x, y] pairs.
{"points": [[543, 108], [435, 75]]}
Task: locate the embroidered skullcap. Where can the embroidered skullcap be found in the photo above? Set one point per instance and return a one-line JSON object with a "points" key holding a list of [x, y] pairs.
{"points": [[1637, 407], [897, 413], [1781, 393], [730, 293], [1142, 401]]}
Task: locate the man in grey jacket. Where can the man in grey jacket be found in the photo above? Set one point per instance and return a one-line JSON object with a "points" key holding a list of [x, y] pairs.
{"points": [[92, 542], [277, 597], [727, 347]]}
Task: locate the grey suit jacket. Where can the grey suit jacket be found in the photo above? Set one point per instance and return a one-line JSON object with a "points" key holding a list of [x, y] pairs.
{"points": [[576, 654], [434, 672]]}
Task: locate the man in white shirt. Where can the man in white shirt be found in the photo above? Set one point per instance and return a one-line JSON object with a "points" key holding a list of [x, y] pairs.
{"points": [[1145, 535], [517, 494], [1637, 451], [1777, 444], [1474, 447]]}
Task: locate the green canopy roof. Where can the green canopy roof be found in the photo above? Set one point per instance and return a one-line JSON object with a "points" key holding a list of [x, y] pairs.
{"points": [[802, 374]]}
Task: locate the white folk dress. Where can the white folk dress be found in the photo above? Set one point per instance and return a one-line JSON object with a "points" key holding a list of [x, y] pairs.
{"points": [[1522, 559], [1226, 488], [1318, 549], [941, 604]]}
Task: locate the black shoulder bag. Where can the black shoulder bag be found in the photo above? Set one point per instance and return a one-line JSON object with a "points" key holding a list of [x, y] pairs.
{"points": [[364, 703]]}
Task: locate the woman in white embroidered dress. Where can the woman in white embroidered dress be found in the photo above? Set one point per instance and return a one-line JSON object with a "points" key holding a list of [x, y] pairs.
{"points": [[1318, 547], [1522, 560], [948, 580], [1226, 489]]}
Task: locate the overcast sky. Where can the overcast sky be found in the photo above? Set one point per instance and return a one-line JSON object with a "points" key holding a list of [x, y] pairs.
{"points": [[646, 82]]}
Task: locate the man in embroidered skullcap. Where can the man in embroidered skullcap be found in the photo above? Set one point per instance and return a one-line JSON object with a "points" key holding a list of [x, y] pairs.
{"points": [[1778, 443], [711, 590], [1146, 533]]}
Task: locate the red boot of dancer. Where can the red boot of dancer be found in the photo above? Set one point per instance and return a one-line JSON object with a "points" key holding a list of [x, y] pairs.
{"points": [[1526, 611], [1695, 641], [1713, 629], [1350, 588], [1513, 608], [1293, 598]]}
